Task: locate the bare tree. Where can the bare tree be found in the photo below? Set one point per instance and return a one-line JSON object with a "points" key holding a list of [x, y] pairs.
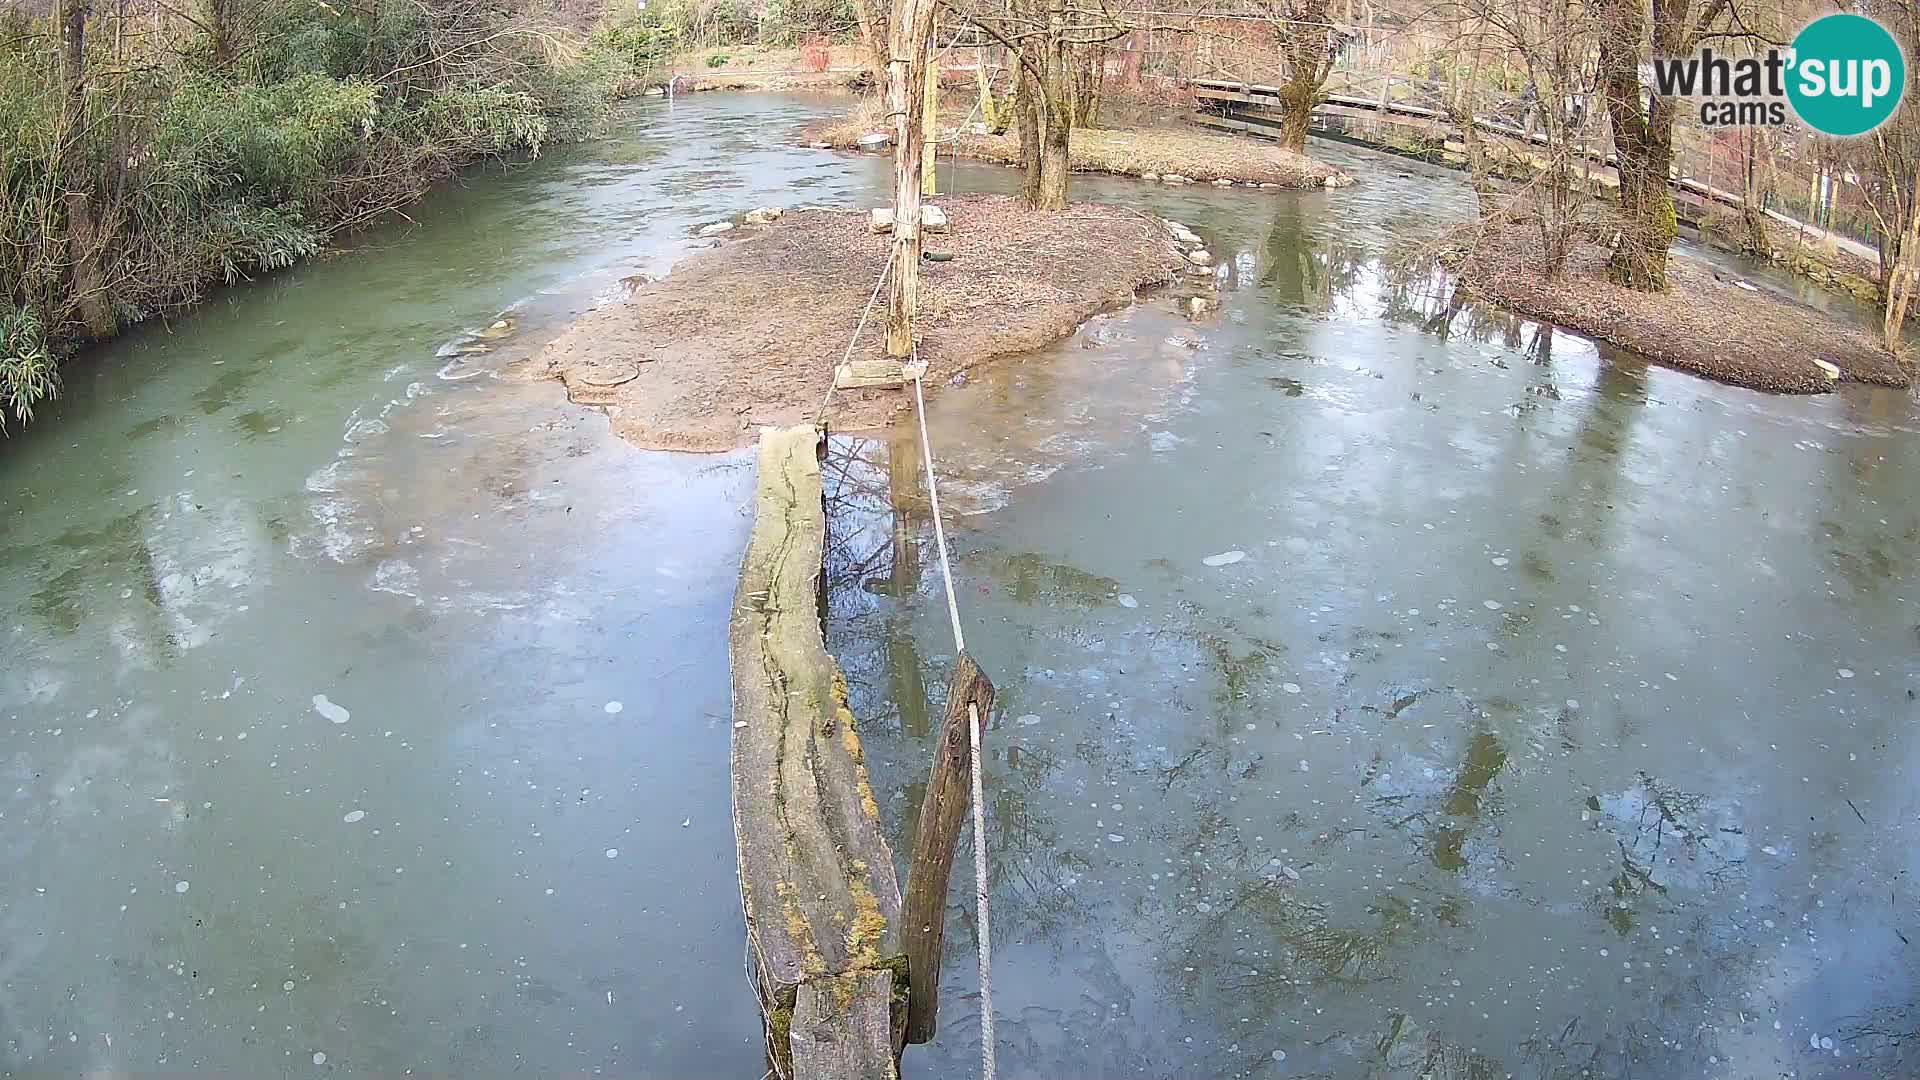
{"points": [[1309, 46], [1643, 123], [1549, 38]]}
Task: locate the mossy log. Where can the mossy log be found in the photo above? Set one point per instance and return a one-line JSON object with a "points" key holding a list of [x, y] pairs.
{"points": [[816, 875]]}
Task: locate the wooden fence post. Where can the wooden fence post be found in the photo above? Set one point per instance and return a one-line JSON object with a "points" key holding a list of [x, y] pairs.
{"points": [[942, 813]]}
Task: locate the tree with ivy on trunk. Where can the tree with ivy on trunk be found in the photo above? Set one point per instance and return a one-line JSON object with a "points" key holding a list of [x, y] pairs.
{"points": [[1304, 31], [1643, 121]]}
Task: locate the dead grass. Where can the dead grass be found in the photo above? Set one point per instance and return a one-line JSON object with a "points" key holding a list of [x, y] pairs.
{"points": [[1155, 153], [1703, 324], [748, 333], [749, 67]]}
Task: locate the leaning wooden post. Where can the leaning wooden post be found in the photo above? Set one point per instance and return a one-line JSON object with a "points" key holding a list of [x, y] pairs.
{"points": [[906, 101], [942, 813]]}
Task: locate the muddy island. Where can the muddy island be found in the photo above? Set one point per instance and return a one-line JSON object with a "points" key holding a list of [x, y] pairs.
{"points": [[748, 333], [1171, 155], [1707, 323]]}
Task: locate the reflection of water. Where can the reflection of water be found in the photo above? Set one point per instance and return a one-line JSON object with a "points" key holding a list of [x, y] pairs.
{"points": [[1527, 739]]}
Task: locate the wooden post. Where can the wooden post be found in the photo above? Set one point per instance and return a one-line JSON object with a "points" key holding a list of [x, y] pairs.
{"points": [[942, 813], [906, 103]]}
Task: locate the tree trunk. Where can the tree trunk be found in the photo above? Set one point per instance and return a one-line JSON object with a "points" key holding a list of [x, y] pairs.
{"points": [[83, 254], [1757, 149], [929, 119], [872, 21], [1088, 76], [1642, 144], [220, 28], [1306, 45], [906, 103], [1900, 280], [1056, 112], [1027, 109]]}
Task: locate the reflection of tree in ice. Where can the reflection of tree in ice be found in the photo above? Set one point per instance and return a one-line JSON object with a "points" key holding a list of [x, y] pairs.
{"points": [[1450, 808], [1885, 1036], [1667, 839], [1412, 1051]]}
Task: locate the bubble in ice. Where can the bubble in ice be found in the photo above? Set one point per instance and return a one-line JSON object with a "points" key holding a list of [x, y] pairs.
{"points": [[1028, 720], [1846, 673], [1290, 687], [182, 886], [1491, 605], [1499, 560], [328, 709], [319, 1057], [354, 816], [1225, 558], [1279, 1055], [1116, 838], [613, 707], [613, 853], [1127, 601]]}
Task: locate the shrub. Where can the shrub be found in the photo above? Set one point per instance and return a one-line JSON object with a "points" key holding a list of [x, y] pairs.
{"points": [[718, 60], [26, 365]]}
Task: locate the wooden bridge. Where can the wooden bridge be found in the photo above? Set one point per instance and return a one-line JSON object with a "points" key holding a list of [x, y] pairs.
{"points": [[1420, 106], [847, 971]]}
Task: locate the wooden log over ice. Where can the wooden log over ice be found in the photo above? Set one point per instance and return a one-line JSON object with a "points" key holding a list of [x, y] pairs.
{"points": [[816, 875]]}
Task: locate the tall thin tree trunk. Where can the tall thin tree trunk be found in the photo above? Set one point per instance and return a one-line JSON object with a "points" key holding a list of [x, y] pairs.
{"points": [[83, 255], [912, 29], [1027, 109], [1056, 112], [1900, 280], [930, 118], [873, 39]]}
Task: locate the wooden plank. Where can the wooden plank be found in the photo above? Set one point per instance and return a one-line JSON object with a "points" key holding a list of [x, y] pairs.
{"points": [[943, 811], [816, 874], [842, 1028], [866, 374]]}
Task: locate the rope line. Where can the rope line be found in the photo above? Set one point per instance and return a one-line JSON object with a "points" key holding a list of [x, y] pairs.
{"points": [[892, 250], [981, 912]]}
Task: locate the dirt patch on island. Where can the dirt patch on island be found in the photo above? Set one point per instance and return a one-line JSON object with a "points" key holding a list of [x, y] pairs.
{"points": [[1169, 155], [1705, 323], [748, 333]]}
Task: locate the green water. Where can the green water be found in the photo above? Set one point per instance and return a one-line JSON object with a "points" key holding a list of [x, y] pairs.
{"points": [[1323, 800], [304, 496]]}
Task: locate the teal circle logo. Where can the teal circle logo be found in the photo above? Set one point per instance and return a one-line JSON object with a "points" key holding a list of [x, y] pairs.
{"points": [[1847, 75]]}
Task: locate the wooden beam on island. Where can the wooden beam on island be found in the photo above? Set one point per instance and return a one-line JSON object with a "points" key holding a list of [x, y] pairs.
{"points": [[816, 875]]}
